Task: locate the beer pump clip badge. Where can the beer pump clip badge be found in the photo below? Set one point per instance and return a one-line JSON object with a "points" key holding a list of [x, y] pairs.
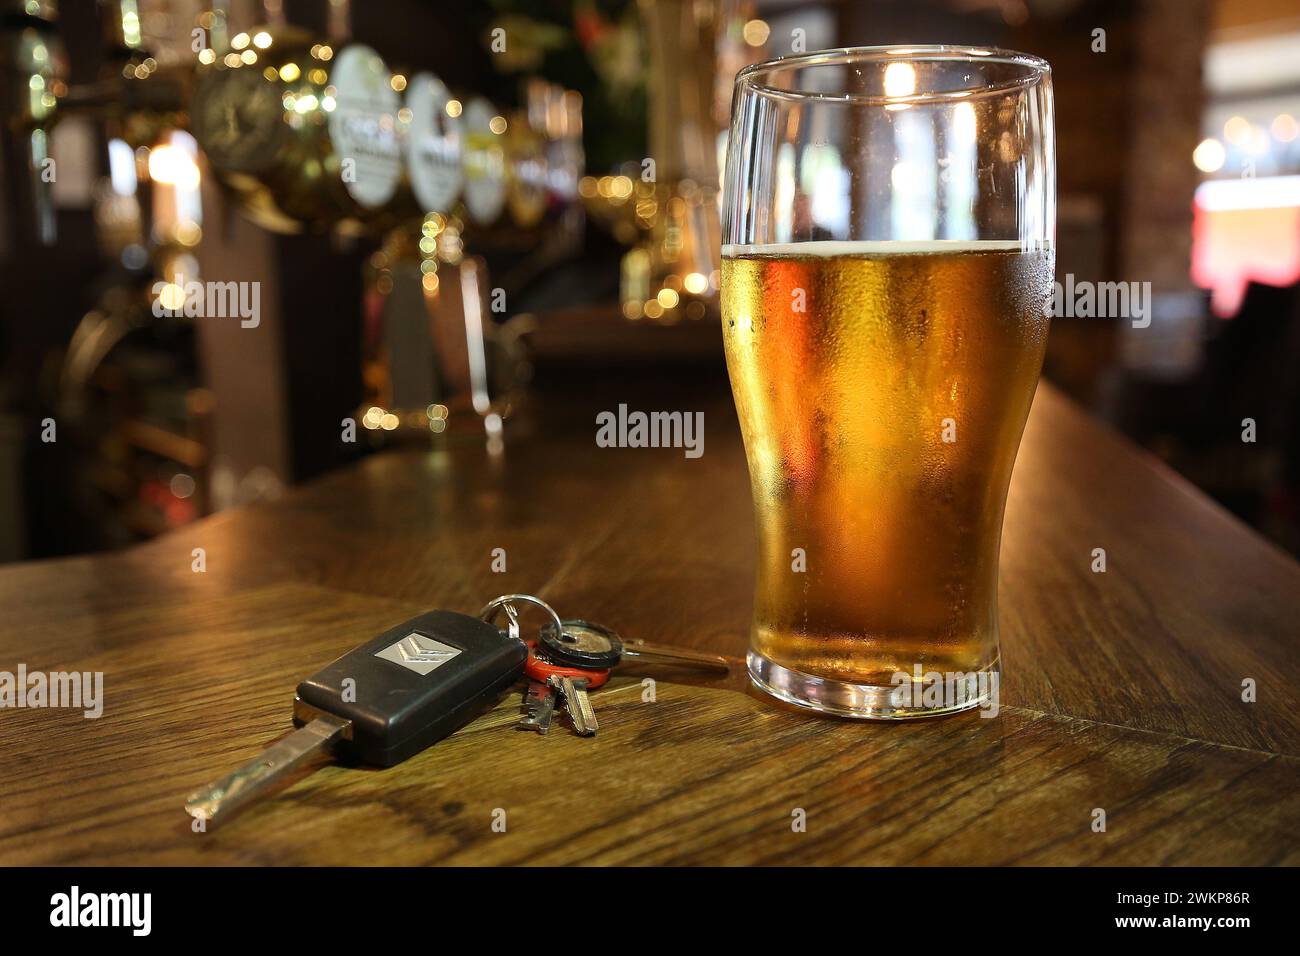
{"points": [[363, 126], [433, 144], [485, 167]]}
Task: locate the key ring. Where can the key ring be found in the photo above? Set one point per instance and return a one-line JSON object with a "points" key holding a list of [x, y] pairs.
{"points": [[537, 668], [489, 612]]}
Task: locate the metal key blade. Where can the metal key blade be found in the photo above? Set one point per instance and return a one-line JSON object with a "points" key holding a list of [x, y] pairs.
{"points": [[663, 654], [535, 695], [578, 704], [221, 799], [540, 701]]}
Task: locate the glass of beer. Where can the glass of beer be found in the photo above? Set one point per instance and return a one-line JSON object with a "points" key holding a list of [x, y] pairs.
{"points": [[887, 269]]}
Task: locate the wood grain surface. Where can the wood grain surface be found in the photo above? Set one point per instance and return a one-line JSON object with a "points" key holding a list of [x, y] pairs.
{"points": [[1121, 691]]}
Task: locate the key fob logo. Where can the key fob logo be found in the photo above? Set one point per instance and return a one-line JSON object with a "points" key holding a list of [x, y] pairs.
{"points": [[418, 652]]}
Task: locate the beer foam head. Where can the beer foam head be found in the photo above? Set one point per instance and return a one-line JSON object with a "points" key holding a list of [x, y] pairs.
{"points": [[879, 247]]}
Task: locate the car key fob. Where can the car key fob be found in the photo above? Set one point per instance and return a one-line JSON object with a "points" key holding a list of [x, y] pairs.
{"points": [[412, 685]]}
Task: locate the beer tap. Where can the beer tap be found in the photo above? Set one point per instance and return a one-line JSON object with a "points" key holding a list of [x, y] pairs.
{"points": [[476, 178], [666, 205], [301, 130]]}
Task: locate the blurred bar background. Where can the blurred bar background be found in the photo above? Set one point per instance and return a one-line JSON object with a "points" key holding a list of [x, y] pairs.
{"points": [[532, 208]]}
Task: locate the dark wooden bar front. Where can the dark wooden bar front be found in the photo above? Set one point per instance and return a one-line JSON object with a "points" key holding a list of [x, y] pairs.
{"points": [[1122, 690]]}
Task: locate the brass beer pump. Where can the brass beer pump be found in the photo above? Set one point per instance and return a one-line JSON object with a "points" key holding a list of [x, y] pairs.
{"points": [[481, 179], [670, 197], [302, 131]]}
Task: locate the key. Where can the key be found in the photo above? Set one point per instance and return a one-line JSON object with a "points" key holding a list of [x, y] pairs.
{"points": [[583, 644], [381, 703], [541, 670], [578, 705], [539, 702]]}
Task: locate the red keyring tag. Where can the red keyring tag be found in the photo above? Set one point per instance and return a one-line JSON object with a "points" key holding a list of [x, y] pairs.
{"points": [[542, 670]]}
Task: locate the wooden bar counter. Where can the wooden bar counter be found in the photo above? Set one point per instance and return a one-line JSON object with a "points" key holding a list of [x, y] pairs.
{"points": [[1122, 690]]}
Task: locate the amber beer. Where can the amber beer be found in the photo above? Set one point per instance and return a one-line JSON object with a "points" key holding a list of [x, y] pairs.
{"points": [[882, 389]]}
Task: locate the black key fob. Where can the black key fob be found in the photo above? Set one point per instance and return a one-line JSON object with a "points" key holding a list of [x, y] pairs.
{"points": [[413, 685]]}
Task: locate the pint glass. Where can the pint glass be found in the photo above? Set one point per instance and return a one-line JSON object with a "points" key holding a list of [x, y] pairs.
{"points": [[887, 269]]}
